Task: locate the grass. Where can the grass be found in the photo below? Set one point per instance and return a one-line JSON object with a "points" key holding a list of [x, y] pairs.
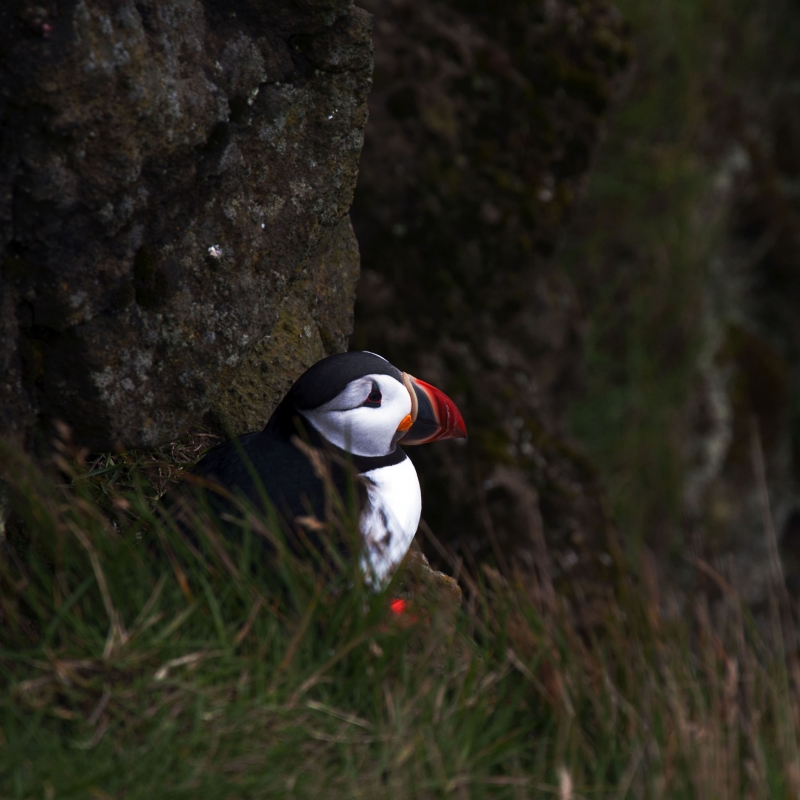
{"points": [[137, 664]]}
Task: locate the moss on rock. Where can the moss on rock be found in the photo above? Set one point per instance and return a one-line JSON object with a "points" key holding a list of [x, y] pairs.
{"points": [[314, 320], [166, 171]]}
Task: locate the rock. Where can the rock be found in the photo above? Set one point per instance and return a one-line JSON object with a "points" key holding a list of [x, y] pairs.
{"points": [[428, 588], [482, 124], [314, 320], [174, 181]]}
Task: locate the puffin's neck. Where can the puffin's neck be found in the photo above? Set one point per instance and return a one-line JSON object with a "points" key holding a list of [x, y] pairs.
{"points": [[286, 422]]}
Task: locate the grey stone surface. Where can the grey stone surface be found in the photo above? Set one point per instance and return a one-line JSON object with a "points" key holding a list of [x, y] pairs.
{"points": [[169, 171], [315, 319]]}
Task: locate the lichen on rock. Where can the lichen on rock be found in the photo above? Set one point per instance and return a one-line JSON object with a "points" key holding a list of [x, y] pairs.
{"points": [[315, 319], [169, 175]]}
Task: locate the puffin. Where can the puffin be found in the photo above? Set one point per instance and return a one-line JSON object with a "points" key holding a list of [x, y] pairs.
{"points": [[358, 409]]}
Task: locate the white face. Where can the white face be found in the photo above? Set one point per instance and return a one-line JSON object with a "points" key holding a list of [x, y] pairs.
{"points": [[364, 430]]}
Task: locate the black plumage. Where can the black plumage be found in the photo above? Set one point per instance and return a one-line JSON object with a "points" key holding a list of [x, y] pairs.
{"points": [[271, 462]]}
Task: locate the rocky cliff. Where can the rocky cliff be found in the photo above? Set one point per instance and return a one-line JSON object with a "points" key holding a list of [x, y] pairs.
{"points": [[175, 182], [482, 124], [175, 178]]}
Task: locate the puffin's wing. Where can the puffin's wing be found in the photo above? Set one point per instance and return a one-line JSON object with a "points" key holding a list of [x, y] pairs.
{"points": [[224, 463], [258, 462]]}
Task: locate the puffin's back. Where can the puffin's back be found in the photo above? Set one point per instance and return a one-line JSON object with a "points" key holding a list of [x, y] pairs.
{"points": [[258, 462], [269, 463]]}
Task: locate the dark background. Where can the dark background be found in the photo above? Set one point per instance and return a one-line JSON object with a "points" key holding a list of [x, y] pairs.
{"points": [[616, 320]]}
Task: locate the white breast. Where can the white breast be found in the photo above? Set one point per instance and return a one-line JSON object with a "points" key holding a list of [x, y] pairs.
{"points": [[390, 519]]}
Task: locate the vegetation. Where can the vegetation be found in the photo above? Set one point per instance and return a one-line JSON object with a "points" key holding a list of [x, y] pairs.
{"points": [[136, 663]]}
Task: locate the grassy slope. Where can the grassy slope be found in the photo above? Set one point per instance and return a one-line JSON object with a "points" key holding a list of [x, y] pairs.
{"points": [[129, 675]]}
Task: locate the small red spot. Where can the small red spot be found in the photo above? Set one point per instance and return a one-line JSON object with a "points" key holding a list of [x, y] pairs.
{"points": [[47, 29], [398, 606]]}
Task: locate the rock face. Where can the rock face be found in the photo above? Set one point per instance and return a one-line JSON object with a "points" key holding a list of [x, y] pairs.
{"points": [[482, 123], [175, 177], [314, 320]]}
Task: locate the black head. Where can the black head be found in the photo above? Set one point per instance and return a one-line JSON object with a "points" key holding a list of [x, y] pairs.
{"points": [[362, 404], [323, 381], [327, 378]]}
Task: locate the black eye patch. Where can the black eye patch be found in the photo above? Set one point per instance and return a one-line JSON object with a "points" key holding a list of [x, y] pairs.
{"points": [[375, 397]]}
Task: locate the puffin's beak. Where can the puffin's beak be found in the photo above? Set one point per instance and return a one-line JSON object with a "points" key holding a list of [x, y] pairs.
{"points": [[434, 415]]}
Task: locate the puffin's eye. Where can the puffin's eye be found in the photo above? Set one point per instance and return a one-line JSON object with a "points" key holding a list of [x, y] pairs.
{"points": [[374, 399]]}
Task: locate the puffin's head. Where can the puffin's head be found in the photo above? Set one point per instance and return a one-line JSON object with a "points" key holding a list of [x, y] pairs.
{"points": [[362, 404]]}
